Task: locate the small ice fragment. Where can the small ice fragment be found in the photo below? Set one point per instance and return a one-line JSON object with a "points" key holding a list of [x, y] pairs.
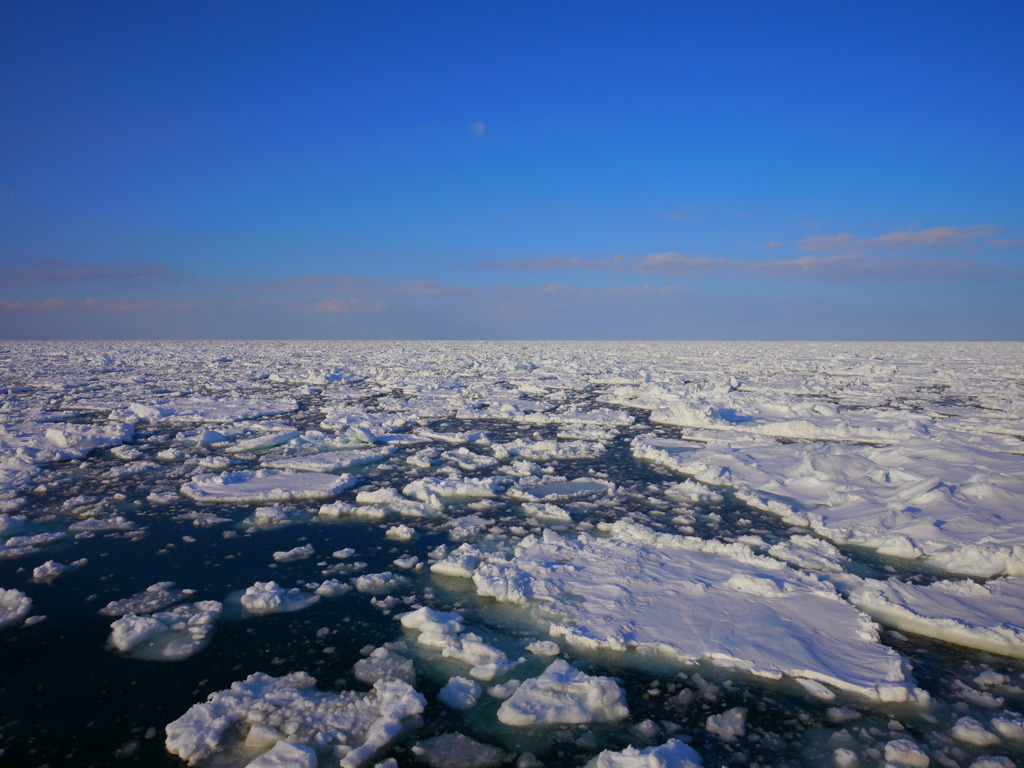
{"points": [[564, 694], [906, 753], [671, 754], [285, 755], [460, 693], [14, 606], [729, 725]]}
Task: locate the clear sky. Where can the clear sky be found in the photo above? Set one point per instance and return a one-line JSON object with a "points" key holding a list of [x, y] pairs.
{"points": [[490, 169]]}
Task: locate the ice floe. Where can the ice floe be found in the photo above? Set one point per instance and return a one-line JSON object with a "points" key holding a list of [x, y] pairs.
{"points": [[564, 695], [692, 600], [266, 485], [260, 712], [987, 616]]}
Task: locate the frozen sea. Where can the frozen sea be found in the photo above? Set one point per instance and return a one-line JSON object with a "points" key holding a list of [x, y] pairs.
{"points": [[472, 554]]}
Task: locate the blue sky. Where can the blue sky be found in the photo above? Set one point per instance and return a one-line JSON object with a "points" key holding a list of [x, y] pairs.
{"points": [[663, 170]]}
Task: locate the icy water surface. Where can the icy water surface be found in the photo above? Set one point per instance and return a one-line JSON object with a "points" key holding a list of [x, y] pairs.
{"points": [[779, 554]]}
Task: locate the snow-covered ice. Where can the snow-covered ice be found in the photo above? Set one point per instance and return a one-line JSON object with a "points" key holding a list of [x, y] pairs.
{"points": [[254, 715], [563, 695], [846, 589], [266, 486]]}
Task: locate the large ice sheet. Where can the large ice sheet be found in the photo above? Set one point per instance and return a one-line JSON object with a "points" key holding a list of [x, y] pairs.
{"points": [[210, 409], [694, 600], [959, 506], [987, 616]]}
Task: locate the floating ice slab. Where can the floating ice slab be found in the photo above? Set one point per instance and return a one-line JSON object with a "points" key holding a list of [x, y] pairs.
{"points": [[563, 695], [14, 606], [671, 754], [987, 616], [265, 597], [454, 750], [261, 711], [211, 409], [694, 600], [329, 461], [266, 485], [424, 489], [561, 490], [959, 506], [166, 635], [152, 598]]}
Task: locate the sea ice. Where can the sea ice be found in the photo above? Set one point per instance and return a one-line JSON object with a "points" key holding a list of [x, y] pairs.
{"points": [[166, 635], [266, 485], [266, 597], [671, 754], [987, 616], [564, 695], [347, 726], [460, 693], [14, 606], [692, 600]]}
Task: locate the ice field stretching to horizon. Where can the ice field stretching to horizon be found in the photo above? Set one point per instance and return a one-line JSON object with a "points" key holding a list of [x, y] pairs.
{"points": [[473, 554]]}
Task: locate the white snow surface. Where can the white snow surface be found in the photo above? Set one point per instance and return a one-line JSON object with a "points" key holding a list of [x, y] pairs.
{"points": [[14, 606], [940, 497], [672, 754], [266, 485], [695, 600], [563, 695], [350, 726], [987, 616]]}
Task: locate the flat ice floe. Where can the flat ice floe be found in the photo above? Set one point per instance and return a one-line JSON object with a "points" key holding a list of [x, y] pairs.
{"points": [[987, 616], [266, 485], [946, 500], [213, 410], [14, 606], [253, 716], [171, 635], [329, 461], [693, 600]]}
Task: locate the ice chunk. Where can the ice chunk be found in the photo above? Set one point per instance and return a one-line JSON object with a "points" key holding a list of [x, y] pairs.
{"points": [[384, 664], [453, 750], [296, 553], [564, 695], [729, 725], [14, 606], [266, 485], [671, 754], [285, 755], [428, 487], [51, 569], [166, 635], [967, 730], [329, 461], [354, 726], [153, 598], [906, 753], [265, 597], [460, 693]]}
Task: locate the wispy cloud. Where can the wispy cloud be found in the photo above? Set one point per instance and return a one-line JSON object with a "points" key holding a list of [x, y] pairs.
{"points": [[616, 263], [120, 304], [839, 266], [935, 237], [60, 271]]}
